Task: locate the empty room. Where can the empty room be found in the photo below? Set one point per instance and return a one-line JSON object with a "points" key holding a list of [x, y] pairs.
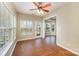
{"points": [[39, 28]]}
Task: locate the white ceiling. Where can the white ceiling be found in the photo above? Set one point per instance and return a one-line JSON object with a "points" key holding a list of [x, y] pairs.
{"points": [[23, 7]]}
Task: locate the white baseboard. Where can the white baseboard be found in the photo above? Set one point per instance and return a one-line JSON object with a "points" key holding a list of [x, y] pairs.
{"points": [[25, 39], [13, 49], [28, 39], [68, 49]]}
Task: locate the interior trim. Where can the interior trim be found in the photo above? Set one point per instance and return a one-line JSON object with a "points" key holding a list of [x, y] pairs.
{"points": [[29, 39], [6, 48], [13, 48]]}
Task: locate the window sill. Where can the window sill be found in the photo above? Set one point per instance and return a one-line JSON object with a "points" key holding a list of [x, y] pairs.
{"points": [[5, 48]]}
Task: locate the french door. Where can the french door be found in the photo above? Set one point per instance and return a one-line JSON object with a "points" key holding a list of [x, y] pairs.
{"points": [[38, 29]]}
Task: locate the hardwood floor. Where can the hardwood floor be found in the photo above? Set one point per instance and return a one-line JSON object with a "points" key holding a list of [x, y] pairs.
{"points": [[40, 47]]}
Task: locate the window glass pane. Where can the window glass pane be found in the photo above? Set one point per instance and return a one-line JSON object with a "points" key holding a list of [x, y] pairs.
{"points": [[7, 25], [2, 38], [26, 28]]}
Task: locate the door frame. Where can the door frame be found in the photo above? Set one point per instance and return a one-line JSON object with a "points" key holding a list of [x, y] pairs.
{"points": [[55, 26]]}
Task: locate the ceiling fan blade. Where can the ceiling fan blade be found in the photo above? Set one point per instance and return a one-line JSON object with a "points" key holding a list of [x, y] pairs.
{"points": [[46, 5], [45, 10], [35, 4], [33, 9], [40, 3]]}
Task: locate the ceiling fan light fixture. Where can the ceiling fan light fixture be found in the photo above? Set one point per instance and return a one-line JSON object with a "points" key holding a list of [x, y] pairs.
{"points": [[40, 12], [41, 8]]}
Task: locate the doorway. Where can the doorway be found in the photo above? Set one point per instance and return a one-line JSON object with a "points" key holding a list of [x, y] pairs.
{"points": [[50, 29]]}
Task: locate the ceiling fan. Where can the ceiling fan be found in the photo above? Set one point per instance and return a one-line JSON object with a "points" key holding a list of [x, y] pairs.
{"points": [[41, 7]]}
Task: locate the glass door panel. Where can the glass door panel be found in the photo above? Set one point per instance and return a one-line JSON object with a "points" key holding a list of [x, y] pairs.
{"points": [[38, 27]]}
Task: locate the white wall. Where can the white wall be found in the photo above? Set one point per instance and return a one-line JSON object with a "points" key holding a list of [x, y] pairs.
{"points": [[67, 21], [11, 7]]}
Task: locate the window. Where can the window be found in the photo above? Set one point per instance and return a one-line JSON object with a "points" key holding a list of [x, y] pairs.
{"points": [[26, 28], [7, 26]]}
